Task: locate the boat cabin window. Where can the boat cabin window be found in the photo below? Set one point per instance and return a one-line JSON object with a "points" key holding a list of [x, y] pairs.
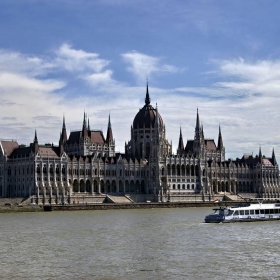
{"points": [[251, 212], [266, 211], [257, 212], [261, 211], [246, 212], [274, 211], [236, 213], [241, 212], [229, 212]]}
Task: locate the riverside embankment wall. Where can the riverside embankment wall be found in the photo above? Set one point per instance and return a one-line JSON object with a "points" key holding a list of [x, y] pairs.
{"points": [[109, 206]]}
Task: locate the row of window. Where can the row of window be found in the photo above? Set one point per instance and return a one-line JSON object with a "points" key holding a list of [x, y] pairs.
{"points": [[254, 212], [178, 187], [51, 179], [19, 171]]}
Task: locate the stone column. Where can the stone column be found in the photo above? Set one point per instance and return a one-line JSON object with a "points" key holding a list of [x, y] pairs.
{"points": [[50, 194], [117, 186], [44, 195], [38, 194], [57, 194], [91, 186], [98, 186], [63, 194], [124, 187]]}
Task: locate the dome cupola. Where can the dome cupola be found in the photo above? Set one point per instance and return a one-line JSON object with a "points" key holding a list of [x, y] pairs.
{"points": [[147, 116]]}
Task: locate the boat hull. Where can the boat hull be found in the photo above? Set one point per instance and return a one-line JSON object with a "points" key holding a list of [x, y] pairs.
{"points": [[240, 220]]}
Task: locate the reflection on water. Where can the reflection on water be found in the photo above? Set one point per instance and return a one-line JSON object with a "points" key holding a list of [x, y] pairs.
{"points": [[135, 244]]}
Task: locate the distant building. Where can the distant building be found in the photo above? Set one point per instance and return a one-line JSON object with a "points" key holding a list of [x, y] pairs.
{"points": [[84, 167]]}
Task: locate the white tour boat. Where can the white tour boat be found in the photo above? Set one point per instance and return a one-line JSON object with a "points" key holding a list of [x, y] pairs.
{"points": [[250, 212]]}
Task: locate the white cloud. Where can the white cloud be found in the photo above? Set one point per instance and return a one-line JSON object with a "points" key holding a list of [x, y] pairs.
{"points": [[23, 64], [243, 99], [103, 78], [79, 60], [10, 82], [143, 66], [259, 71]]}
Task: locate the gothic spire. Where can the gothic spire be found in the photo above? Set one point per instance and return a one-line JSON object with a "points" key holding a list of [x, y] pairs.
{"points": [[197, 121], [181, 143], [84, 122], [84, 130], [202, 132], [109, 137], [88, 127], [274, 162], [63, 135], [260, 155], [63, 125], [35, 143], [147, 99], [220, 139], [35, 137], [197, 126]]}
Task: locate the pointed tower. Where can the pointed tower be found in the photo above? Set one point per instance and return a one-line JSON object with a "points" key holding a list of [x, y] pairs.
{"points": [[84, 130], [61, 146], [63, 135], [181, 144], [198, 140], [197, 126], [220, 147], [110, 140], [88, 126], [260, 155], [202, 132], [147, 99], [35, 143], [274, 162], [109, 137], [220, 140]]}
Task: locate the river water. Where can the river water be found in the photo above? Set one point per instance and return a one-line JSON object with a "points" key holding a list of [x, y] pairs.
{"points": [[135, 244]]}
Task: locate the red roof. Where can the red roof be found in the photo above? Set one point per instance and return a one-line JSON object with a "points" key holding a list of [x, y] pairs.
{"points": [[9, 146]]}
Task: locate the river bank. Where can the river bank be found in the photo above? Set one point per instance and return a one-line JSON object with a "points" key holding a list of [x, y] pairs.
{"points": [[107, 206], [112, 206], [150, 205], [20, 208]]}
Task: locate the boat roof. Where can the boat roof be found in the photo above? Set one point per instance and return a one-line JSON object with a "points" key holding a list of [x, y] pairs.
{"points": [[249, 206]]}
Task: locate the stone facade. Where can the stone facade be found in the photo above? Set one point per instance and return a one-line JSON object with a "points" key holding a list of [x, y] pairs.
{"points": [[84, 167]]}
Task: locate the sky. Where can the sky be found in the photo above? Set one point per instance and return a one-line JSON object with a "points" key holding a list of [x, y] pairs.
{"points": [[66, 57]]}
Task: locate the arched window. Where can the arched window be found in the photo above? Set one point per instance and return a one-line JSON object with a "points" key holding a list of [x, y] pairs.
{"points": [[192, 170], [141, 150], [147, 149], [178, 170], [168, 170]]}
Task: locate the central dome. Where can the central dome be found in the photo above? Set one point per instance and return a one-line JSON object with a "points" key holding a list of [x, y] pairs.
{"points": [[147, 116]]}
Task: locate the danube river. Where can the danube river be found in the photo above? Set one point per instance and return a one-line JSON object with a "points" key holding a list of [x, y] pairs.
{"points": [[135, 244]]}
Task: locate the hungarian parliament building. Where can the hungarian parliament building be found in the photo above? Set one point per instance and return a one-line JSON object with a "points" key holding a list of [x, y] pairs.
{"points": [[85, 168]]}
